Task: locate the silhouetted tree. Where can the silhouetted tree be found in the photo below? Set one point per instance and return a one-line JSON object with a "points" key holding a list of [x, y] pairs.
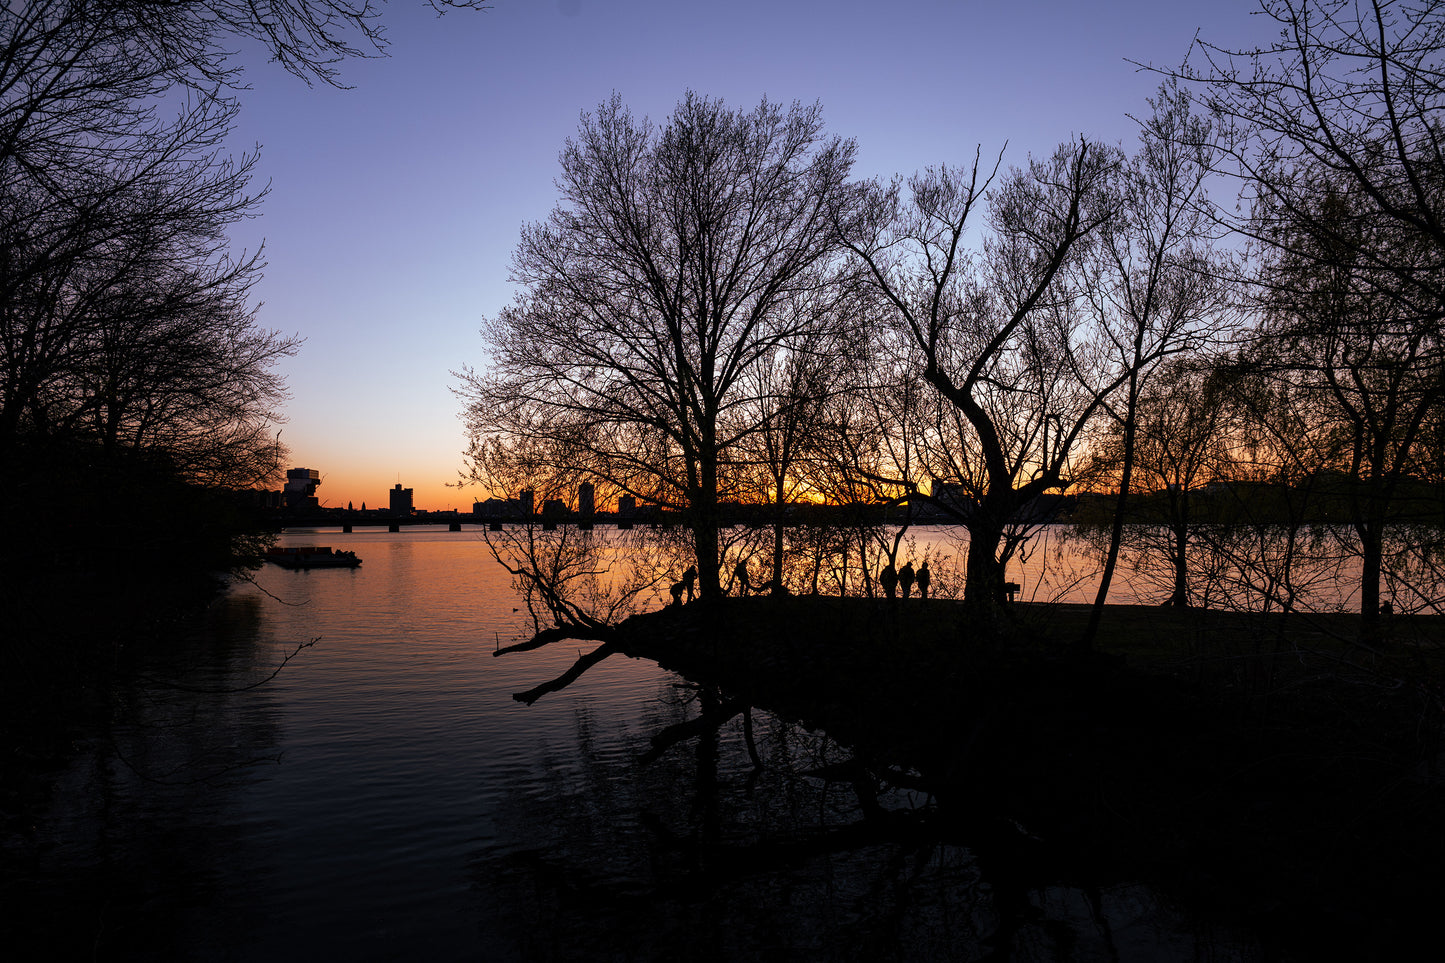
{"points": [[1347, 102], [999, 336], [122, 313], [1267, 553], [789, 394], [1153, 279], [134, 381], [680, 259], [128, 324], [1181, 446], [1335, 133], [862, 446], [1374, 368]]}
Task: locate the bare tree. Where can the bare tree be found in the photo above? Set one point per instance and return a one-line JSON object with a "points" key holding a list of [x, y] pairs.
{"points": [[1180, 455], [1348, 99], [1374, 369], [134, 381], [1153, 278], [1280, 441], [999, 337], [790, 394], [1335, 133], [124, 320], [680, 259], [116, 196], [181, 367]]}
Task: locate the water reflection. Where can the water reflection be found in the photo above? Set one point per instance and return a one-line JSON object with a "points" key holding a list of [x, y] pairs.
{"points": [[700, 852], [113, 854], [384, 798]]}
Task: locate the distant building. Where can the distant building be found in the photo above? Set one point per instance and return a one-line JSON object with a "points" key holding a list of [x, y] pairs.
{"points": [[585, 499], [554, 507], [627, 506], [300, 490], [525, 499], [951, 495], [497, 508], [401, 503]]}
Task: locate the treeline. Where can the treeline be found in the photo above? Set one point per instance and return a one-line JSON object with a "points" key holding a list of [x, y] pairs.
{"points": [[136, 386], [718, 311]]}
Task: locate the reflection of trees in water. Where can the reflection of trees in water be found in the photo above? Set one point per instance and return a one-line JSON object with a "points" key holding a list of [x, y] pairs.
{"points": [[124, 838], [699, 852], [690, 850]]}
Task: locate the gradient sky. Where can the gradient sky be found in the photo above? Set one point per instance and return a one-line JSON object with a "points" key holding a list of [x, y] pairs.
{"points": [[394, 205]]}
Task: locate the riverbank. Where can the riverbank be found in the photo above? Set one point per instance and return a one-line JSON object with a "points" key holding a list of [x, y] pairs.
{"points": [[1273, 770]]}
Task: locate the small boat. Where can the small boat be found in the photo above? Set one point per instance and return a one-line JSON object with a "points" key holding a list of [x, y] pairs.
{"points": [[311, 557]]}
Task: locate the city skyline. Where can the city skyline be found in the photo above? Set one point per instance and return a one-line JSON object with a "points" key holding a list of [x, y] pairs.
{"points": [[395, 205]]}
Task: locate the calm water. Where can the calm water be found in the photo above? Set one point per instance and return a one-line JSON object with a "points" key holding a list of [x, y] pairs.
{"points": [[384, 798]]}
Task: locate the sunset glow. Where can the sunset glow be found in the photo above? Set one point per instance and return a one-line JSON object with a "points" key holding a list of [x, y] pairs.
{"points": [[395, 205]]}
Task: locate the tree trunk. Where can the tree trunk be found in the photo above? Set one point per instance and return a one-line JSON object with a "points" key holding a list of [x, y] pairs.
{"points": [[705, 547], [777, 582], [1371, 563], [1179, 598], [1116, 532], [1370, 509], [864, 568], [705, 530], [983, 585]]}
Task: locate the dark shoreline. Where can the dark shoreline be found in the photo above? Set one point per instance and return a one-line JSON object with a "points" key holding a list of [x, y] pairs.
{"points": [[1267, 769]]}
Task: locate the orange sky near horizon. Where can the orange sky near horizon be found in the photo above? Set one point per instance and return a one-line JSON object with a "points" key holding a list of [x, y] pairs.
{"points": [[372, 489]]}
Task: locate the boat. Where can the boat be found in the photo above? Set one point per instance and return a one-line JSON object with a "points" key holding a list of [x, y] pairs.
{"points": [[312, 556]]}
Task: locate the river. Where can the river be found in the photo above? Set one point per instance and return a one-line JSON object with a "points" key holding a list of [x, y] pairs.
{"points": [[384, 798]]}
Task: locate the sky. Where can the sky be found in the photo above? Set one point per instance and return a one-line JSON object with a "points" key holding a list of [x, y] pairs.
{"points": [[395, 205]]}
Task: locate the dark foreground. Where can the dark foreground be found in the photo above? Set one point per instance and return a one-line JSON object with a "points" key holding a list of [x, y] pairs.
{"points": [[1274, 772]]}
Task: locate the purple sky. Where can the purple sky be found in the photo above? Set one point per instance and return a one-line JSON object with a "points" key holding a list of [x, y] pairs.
{"points": [[395, 205]]}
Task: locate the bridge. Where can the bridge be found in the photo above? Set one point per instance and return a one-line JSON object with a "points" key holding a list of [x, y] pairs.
{"points": [[349, 520]]}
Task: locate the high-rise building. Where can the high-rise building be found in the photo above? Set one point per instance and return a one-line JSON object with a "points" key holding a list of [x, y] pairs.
{"points": [[300, 490], [401, 500], [627, 506], [585, 499]]}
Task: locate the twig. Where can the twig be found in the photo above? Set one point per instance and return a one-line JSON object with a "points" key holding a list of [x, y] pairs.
{"points": [[228, 690]]}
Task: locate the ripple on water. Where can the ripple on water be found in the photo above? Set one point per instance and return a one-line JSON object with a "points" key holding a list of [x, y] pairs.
{"points": [[409, 808]]}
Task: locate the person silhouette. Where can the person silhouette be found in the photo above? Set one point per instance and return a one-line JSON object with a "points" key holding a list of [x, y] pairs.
{"points": [[888, 578], [689, 579], [924, 577], [905, 578], [740, 573]]}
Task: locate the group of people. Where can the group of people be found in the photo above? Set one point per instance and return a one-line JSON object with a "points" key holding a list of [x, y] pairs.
{"points": [[688, 585], [895, 580]]}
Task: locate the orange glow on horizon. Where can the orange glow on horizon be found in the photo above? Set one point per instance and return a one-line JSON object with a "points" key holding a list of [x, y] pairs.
{"points": [[348, 484]]}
